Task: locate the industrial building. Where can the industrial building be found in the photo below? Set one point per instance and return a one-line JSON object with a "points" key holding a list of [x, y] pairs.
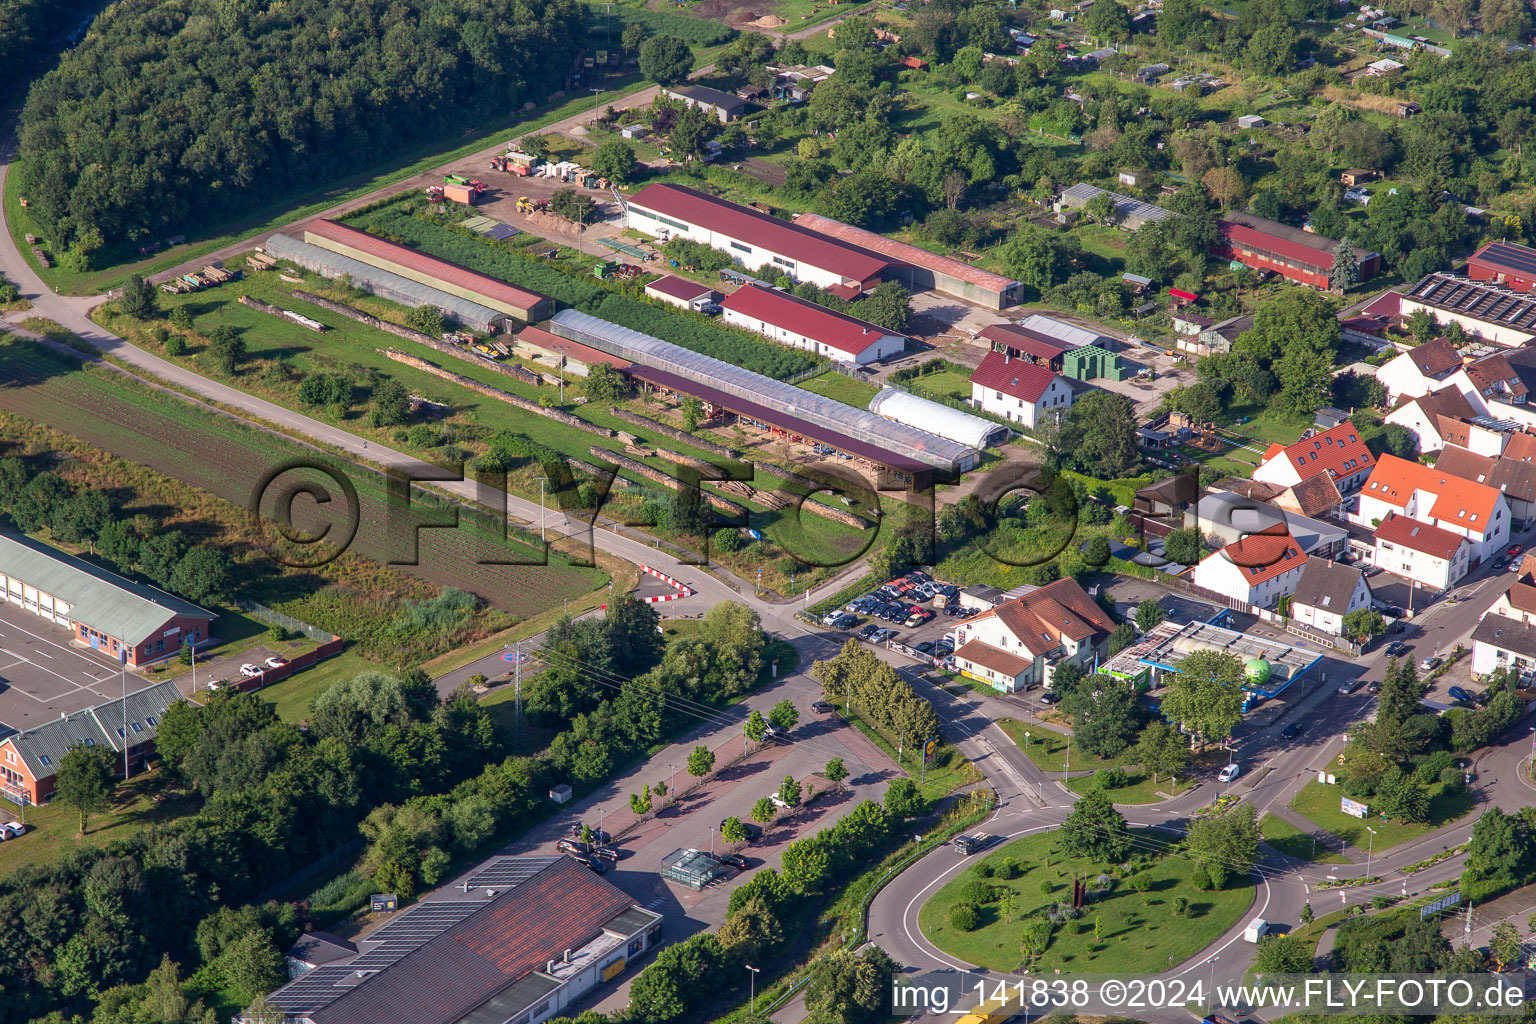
{"points": [[386, 285], [921, 270], [132, 622], [902, 407], [29, 760], [429, 270], [1269, 666], [515, 939], [1294, 254], [1504, 263], [807, 325], [1130, 213], [901, 454], [754, 239], [1485, 310]]}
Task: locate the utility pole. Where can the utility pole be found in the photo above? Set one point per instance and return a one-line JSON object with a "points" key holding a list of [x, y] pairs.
{"points": [[542, 515]]}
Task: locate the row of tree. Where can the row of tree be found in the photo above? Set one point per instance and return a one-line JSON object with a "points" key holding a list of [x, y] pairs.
{"points": [[876, 693]]}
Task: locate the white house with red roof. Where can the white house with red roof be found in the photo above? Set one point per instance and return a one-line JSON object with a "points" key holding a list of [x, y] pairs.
{"points": [[1423, 553], [1259, 569], [1465, 508], [1018, 389], [1337, 451], [756, 240], [1019, 644], [815, 328], [1420, 370]]}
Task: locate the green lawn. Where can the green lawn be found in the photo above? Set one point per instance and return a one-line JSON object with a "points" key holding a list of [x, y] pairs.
{"points": [[1138, 789], [1049, 749], [841, 388], [935, 781], [53, 829], [1293, 842], [1139, 931], [1319, 803], [293, 695], [947, 382]]}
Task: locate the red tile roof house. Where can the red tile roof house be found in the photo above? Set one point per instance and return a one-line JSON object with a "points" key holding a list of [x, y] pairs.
{"points": [[1505, 263], [815, 328], [1259, 569], [515, 939], [1423, 553], [679, 291], [527, 306], [1292, 253], [1020, 643], [758, 241], [1023, 343], [1477, 511], [1337, 451], [1018, 389]]}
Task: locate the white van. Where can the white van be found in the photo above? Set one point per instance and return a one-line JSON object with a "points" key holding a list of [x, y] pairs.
{"points": [[1229, 773], [1256, 930]]}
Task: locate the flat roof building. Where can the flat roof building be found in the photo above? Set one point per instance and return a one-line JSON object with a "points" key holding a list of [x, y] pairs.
{"points": [[430, 270], [755, 239], [1294, 254], [1270, 666], [810, 326], [1484, 308], [514, 939], [922, 270], [722, 105], [110, 613]]}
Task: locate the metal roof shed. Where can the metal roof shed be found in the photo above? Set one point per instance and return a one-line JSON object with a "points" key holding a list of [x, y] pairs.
{"points": [[902, 407], [772, 395], [384, 284]]}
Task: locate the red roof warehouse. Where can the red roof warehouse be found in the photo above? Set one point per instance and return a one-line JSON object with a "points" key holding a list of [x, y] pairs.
{"points": [[756, 239], [807, 325], [1292, 253], [450, 277], [1513, 266]]}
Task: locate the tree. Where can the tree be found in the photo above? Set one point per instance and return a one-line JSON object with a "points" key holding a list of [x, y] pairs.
{"points": [[204, 575], [1094, 829], [733, 830], [1306, 379], [866, 198], [849, 988], [789, 791], [752, 930], [903, 800], [85, 780], [1225, 839], [427, 319], [764, 810], [1272, 50], [692, 411], [1160, 750], [1400, 795], [1282, 954], [836, 771], [1510, 19], [391, 403], [1225, 184], [783, 716], [634, 35], [1292, 320], [1149, 612], [688, 513], [1186, 547], [665, 60], [1366, 623], [1108, 22], [615, 160], [1504, 944], [640, 802], [253, 964], [140, 300], [603, 383], [1100, 434], [1104, 722], [756, 726], [1101, 208], [701, 761], [1206, 695], [1345, 273], [889, 306], [577, 207], [227, 348]]}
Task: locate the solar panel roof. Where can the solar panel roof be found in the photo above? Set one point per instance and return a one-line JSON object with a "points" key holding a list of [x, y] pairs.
{"points": [[1518, 258]]}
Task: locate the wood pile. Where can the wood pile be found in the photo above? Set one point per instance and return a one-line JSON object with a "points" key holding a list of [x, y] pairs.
{"points": [[496, 393], [667, 430]]}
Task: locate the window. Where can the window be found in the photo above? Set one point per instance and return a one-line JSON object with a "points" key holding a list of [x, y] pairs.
{"points": [[741, 248], [137, 727], [150, 719], [781, 261], [121, 735], [44, 758], [90, 742]]}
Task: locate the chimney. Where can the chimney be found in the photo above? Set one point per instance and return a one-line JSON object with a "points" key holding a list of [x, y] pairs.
{"points": [[549, 967], [567, 956]]}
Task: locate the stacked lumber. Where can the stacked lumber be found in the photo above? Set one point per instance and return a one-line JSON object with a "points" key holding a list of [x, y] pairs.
{"points": [[667, 430]]}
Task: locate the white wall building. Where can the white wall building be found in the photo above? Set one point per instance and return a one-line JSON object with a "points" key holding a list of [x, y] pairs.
{"points": [[1420, 370], [1474, 511], [1259, 569], [1020, 643], [1018, 389], [815, 328], [1326, 593], [1423, 553], [1337, 451]]}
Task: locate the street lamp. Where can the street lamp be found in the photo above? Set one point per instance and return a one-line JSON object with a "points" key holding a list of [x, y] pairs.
{"points": [[711, 840], [752, 988], [1368, 844], [1212, 980]]}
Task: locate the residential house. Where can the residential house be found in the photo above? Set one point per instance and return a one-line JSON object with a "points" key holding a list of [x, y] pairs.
{"points": [[1474, 511], [1427, 416], [1020, 643], [1227, 517], [1338, 452], [1259, 569], [1018, 390], [1503, 643], [1423, 553], [1216, 338], [1512, 472], [1420, 370], [1326, 593]]}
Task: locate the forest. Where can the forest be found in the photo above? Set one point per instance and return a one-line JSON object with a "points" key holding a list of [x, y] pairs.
{"points": [[174, 114], [28, 26]]}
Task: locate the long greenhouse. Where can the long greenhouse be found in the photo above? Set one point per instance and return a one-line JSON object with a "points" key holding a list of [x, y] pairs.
{"points": [[385, 284], [783, 408]]}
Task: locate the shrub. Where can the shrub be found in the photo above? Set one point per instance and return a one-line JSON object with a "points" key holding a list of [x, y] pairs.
{"points": [[977, 892], [175, 346], [1110, 778], [1180, 904], [1140, 882], [1009, 868], [964, 917], [1200, 878], [1432, 767]]}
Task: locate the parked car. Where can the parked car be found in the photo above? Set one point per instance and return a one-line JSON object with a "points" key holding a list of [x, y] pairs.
{"points": [[276, 662], [926, 647], [249, 671], [869, 631], [943, 649], [822, 707], [1431, 662], [882, 635], [1050, 697], [218, 684], [595, 864], [1396, 649], [1348, 687], [574, 847], [1229, 773], [1374, 688], [13, 829], [1514, 549], [1500, 563], [831, 617], [918, 618], [1459, 693], [1513, 567], [1291, 731], [845, 621], [779, 802], [734, 860]]}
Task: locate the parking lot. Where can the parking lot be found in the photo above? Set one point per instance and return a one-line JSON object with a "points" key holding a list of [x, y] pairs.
{"points": [[42, 675], [884, 619]]}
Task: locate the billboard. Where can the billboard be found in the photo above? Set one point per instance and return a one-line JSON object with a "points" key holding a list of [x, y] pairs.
{"points": [[1354, 807]]}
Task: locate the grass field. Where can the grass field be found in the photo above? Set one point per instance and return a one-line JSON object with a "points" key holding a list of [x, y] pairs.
{"points": [[1293, 842], [53, 829], [1139, 932], [1048, 749], [841, 388], [948, 383], [1319, 803], [1138, 789]]}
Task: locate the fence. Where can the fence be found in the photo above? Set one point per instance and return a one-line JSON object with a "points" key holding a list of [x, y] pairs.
{"points": [[310, 870], [272, 617]]}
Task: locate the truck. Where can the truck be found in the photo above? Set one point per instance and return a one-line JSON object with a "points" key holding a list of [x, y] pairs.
{"points": [[996, 1010], [973, 842], [1256, 930]]}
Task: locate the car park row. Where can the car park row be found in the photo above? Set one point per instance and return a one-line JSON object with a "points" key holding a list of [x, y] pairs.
{"points": [[901, 603]]}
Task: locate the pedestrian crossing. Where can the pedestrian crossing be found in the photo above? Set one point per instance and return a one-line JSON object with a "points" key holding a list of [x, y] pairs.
{"points": [[658, 901]]}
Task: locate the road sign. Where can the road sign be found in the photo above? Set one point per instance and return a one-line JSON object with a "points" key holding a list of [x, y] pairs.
{"points": [[1443, 903], [929, 748], [512, 657]]}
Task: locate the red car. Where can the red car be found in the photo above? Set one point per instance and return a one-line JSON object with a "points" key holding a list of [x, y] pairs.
{"points": [[1514, 549]]}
